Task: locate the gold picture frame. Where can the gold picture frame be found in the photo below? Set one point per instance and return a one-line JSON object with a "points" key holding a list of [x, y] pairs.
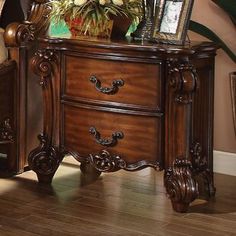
{"points": [[172, 20]]}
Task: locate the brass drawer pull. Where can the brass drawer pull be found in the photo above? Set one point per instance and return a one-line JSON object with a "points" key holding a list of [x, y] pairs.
{"points": [[105, 141], [114, 88]]}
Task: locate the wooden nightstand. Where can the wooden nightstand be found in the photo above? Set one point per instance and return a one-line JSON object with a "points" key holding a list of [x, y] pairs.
{"points": [[129, 105]]}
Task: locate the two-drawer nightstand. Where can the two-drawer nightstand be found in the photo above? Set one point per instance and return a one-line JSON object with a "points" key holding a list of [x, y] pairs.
{"points": [[129, 105]]}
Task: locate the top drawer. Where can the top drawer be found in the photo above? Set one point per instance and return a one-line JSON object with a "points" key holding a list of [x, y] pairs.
{"points": [[86, 78]]}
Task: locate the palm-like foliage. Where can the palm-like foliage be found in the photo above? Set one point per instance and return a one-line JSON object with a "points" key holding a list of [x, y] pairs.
{"points": [[93, 10]]}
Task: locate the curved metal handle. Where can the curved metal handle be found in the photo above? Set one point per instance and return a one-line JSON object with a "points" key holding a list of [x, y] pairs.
{"points": [[114, 88], [105, 141]]}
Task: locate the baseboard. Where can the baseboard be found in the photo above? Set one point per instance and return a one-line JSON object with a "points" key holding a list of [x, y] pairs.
{"points": [[224, 162]]}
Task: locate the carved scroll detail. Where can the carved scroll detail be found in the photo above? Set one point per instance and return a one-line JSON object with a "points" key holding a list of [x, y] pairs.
{"points": [[36, 23], [201, 171], [183, 79], [45, 159], [105, 162], [198, 161], [25, 32], [16, 34], [106, 142], [6, 132], [180, 185], [42, 64], [110, 91]]}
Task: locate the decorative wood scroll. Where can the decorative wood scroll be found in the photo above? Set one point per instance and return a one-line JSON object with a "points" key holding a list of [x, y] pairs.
{"points": [[183, 79], [36, 24], [201, 172], [42, 65], [106, 162], [198, 161], [44, 160], [179, 180], [180, 185]]}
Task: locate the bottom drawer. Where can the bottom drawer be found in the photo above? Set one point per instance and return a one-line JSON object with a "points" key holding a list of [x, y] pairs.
{"points": [[141, 134]]}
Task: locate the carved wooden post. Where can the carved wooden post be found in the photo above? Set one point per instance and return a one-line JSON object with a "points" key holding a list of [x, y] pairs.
{"points": [[180, 184], [45, 159]]}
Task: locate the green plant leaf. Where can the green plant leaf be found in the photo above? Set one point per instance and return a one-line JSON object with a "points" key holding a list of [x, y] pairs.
{"points": [[208, 33]]}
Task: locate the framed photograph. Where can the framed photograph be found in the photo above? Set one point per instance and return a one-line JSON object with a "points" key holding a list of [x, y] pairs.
{"points": [[172, 20]]}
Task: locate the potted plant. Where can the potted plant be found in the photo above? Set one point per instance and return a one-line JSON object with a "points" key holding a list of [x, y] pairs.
{"points": [[94, 17]]}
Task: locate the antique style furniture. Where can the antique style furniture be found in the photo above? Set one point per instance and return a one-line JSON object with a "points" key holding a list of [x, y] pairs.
{"points": [[20, 95], [128, 105]]}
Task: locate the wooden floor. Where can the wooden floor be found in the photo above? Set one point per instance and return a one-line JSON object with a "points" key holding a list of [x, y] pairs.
{"points": [[120, 203]]}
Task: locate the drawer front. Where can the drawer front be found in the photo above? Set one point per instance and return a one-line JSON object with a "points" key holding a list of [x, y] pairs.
{"points": [[141, 135], [140, 85]]}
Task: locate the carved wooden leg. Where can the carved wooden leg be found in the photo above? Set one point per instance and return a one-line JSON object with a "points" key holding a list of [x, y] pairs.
{"points": [[44, 160], [205, 184], [179, 180], [89, 169], [202, 174], [180, 185]]}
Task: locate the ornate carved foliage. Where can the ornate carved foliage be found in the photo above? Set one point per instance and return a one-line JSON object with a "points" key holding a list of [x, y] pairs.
{"points": [[39, 16], [201, 171], [43, 63], [17, 34], [6, 132], [105, 162], [45, 159], [180, 185], [199, 162], [183, 80], [27, 31]]}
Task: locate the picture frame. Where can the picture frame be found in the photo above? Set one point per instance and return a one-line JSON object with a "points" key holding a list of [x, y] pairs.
{"points": [[171, 21]]}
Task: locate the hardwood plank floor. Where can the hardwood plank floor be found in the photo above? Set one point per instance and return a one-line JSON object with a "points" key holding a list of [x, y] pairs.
{"points": [[120, 203]]}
